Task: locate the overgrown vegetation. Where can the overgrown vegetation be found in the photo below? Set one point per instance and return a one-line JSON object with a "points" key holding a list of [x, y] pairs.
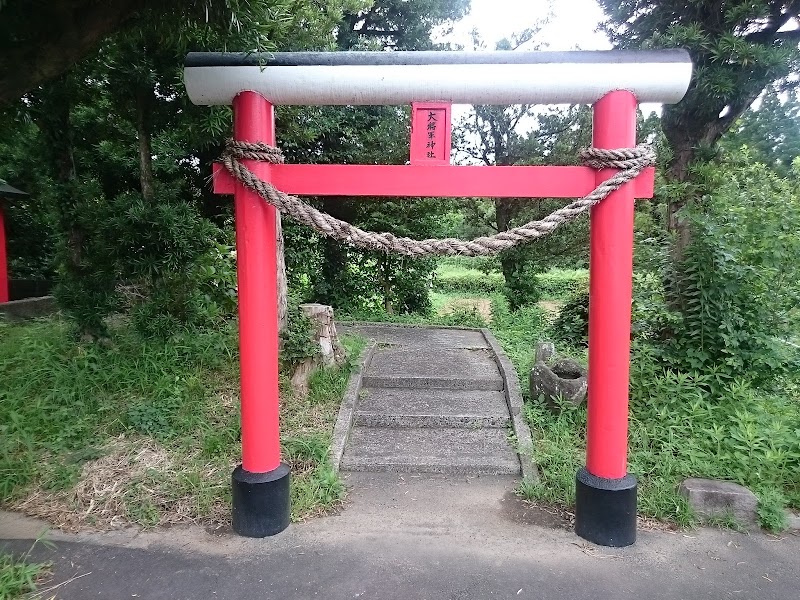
{"points": [[144, 430], [19, 576]]}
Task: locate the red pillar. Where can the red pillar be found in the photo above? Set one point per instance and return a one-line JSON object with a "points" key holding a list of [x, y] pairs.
{"points": [[611, 268], [605, 495], [260, 491], [3, 259], [256, 268]]}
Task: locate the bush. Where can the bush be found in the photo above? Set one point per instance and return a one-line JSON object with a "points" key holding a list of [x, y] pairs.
{"points": [[562, 284], [464, 281], [572, 323], [462, 278], [522, 286], [297, 339], [738, 280]]}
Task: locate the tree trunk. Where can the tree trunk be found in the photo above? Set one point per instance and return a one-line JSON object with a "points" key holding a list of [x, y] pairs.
{"points": [[505, 211], [144, 104], [283, 288]]}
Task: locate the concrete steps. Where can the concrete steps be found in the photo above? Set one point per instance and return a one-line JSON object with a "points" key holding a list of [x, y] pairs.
{"points": [[431, 401], [458, 451], [396, 407]]}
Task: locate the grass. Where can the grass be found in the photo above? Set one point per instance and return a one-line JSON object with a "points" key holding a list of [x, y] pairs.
{"points": [[677, 428], [19, 576], [145, 431]]}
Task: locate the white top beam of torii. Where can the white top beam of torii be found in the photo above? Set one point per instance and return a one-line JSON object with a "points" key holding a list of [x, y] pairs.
{"points": [[396, 78]]}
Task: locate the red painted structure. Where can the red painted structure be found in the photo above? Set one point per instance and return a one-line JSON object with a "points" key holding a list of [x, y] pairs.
{"points": [[257, 273], [610, 280], [430, 174], [431, 133]]}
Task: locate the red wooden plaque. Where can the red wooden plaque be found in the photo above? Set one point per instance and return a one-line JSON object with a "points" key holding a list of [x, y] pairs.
{"points": [[430, 133]]}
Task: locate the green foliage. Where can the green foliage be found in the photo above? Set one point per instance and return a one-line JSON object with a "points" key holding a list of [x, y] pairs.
{"points": [[19, 575], [737, 282], [462, 317], [325, 489], [460, 280], [562, 284], [772, 509], [572, 323], [771, 133], [66, 403], [737, 50], [741, 434], [471, 278], [397, 24], [520, 273], [297, 339]]}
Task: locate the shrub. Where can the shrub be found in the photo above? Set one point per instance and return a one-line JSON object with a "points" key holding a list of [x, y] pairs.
{"points": [[468, 282], [561, 284], [572, 323], [297, 339], [738, 280], [522, 286]]}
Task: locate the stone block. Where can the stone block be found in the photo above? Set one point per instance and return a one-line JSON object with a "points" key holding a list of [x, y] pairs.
{"points": [[710, 498], [565, 378], [29, 308]]}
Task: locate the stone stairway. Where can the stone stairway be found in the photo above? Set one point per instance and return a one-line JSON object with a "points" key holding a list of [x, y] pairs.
{"points": [[431, 400]]}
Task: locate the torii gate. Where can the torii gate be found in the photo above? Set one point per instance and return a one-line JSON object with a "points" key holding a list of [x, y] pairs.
{"points": [[612, 81]]}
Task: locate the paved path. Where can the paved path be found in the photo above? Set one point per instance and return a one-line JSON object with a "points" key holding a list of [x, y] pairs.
{"points": [[427, 537], [433, 401]]}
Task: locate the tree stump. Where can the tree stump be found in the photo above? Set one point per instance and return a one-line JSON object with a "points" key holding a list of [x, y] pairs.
{"points": [[331, 352]]}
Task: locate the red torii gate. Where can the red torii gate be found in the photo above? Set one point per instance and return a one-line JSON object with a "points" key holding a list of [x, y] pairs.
{"points": [[614, 82]]}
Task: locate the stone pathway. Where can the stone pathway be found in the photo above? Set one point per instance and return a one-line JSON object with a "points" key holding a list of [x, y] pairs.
{"points": [[432, 400]]}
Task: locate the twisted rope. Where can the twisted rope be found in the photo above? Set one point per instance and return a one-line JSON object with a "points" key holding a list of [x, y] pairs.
{"points": [[630, 161]]}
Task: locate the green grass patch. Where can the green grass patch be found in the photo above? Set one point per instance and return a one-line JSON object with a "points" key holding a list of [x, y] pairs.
{"points": [[457, 279], [146, 430], [462, 278], [19, 576]]}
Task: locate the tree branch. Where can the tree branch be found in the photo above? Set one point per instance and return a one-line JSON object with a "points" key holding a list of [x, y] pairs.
{"points": [[49, 51]]}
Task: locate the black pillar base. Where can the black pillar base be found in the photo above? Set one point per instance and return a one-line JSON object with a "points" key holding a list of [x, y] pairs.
{"points": [[605, 509], [260, 501]]}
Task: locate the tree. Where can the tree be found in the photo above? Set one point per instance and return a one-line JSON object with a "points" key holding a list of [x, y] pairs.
{"points": [[123, 156], [342, 276], [41, 40], [398, 24], [771, 132], [738, 47]]}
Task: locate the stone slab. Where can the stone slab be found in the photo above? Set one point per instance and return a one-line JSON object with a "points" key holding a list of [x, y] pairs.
{"points": [[367, 419], [434, 383], [393, 401], [344, 420], [421, 450], [29, 308], [711, 498], [457, 363], [523, 440], [426, 337]]}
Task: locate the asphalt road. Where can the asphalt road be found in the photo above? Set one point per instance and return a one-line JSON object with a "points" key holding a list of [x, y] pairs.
{"points": [[426, 538]]}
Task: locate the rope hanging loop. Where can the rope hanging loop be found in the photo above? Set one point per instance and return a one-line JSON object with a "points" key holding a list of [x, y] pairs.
{"points": [[630, 162]]}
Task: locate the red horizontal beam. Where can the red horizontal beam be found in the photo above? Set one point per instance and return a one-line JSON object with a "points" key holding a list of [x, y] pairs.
{"points": [[434, 181]]}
